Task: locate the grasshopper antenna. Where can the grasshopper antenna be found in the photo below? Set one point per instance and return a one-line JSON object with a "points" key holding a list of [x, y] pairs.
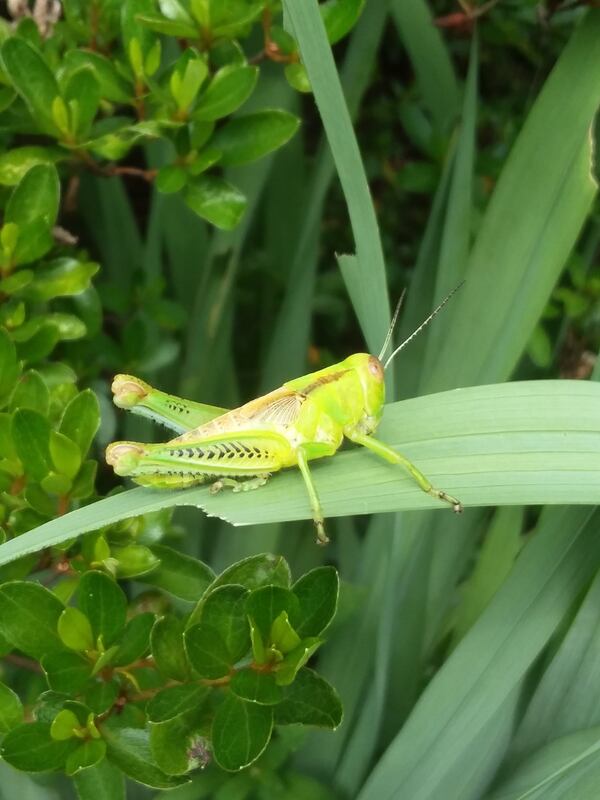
{"points": [[388, 335], [421, 326]]}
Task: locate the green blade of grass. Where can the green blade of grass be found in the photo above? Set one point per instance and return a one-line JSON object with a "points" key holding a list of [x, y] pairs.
{"points": [[508, 444], [367, 283], [448, 732], [531, 224], [430, 59], [566, 697], [287, 354], [567, 768], [456, 236]]}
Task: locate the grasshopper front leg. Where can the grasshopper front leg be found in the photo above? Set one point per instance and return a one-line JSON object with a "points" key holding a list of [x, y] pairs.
{"points": [[393, 457], [303, 453]]}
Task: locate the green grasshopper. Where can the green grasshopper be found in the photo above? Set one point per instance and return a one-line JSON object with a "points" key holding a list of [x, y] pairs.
{"points": [[307, 418]]}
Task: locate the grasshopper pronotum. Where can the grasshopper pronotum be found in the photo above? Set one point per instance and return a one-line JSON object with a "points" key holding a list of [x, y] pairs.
{"points": [[305, 419]]}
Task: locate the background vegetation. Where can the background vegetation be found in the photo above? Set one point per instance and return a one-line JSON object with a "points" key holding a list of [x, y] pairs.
{"points": [[151, 228]]}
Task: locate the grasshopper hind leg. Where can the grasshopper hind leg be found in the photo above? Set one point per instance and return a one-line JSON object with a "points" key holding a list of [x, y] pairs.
{"points": [[126, 458]]}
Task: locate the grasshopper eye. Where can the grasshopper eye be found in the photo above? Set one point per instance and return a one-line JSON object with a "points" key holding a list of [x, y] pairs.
{"points": [[375, 367]]}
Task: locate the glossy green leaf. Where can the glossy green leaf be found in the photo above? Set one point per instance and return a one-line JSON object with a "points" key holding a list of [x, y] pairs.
{"points": [[264, 605], [68, 326], [133, 560], [207, 651], [309, 700], [33, 242], [11, 709], [81, 419], [75, 630], [36, 197], [64, 725], [104, 604], [66, 672], [112, 86], [101, 696], [170, 27], [339, 17], [174, 742], [171, 178], [83, 485], [14, 163], [61, 277], [229, 88], [250, 137], [166, 641], [215, 200], [179, 574], [175, 10], [30, 748], [29, 616], [136, 639], [129, 749], [9, 366], [87, 755], [294, 660], [240, 732], [317, 592], [65, 454], [15, 283], [187, 78], [224, 610], [103, 781], [256, 687], [82, 94], [32, 78], [297, 77], [256, 571], [31, 392], [175, 700]]}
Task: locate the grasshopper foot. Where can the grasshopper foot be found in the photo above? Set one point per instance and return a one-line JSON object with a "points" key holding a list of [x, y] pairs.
{"points": [[239, 486], [322, 538], [457, 506]]}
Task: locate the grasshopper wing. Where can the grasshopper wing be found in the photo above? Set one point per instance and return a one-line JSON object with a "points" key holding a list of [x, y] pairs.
{"points": [[275, 411]]}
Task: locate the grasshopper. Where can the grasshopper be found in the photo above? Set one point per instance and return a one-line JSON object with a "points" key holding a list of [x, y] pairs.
{"points": [[307, 418]]}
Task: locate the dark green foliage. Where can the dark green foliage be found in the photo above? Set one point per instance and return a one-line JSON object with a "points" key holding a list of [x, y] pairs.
{"points": [[203, 690]]}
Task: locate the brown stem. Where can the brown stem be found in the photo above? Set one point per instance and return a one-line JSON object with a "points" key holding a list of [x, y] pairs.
{"points": [[62, 505], [111, 170], [23, 662]]}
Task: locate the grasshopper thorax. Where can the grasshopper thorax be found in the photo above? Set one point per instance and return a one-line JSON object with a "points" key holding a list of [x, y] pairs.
{"points": [[369, 370]]}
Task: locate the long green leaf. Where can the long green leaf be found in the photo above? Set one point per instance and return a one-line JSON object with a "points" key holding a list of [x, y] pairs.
{"points": [[567, 698], [367, 283], [517, 443], [566, 769], [291, 333], [532, 222], [447, 734], [432, 65]]}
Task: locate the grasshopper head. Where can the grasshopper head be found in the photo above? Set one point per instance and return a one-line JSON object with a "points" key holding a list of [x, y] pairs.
{"points": [[370, 372]]}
